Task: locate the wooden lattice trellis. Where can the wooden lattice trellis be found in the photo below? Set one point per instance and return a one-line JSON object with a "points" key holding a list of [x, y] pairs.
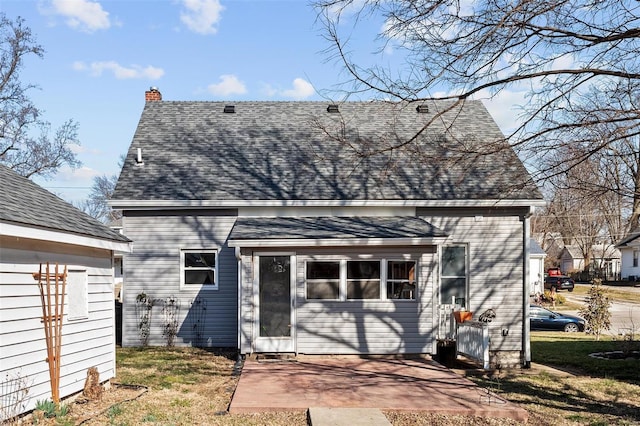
{"points": [[52, 286]]}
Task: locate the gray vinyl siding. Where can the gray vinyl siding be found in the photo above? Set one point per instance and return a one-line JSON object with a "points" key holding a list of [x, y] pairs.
{"points": [[495, 240], [356, 327], [206, 318], [88, 342]]}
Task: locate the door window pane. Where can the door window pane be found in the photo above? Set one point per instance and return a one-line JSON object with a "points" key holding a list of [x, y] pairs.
{"points": [[275, 296]]}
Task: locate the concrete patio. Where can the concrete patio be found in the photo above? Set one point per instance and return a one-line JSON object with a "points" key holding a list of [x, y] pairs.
{"points": [[417, 385]]}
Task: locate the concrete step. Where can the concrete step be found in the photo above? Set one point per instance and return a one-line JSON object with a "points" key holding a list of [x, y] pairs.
{"points": [[319, 416]]}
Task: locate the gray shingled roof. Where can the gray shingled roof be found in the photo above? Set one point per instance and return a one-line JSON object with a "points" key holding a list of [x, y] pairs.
{"points": [[23, 202], [629, 238], [260, 228], [534, 247], [295, 151]]}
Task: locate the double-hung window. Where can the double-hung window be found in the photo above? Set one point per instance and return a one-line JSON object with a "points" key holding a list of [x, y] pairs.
{"points": [[401, 279], [198, 269], [363, 279], [323, 280], [635, 258], [454, 275]]}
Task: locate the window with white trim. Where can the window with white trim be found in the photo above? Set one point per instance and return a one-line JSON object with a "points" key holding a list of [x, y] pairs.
{"points": [[453, 275], [363, 279], [635, 258], [401, 279], [344, 279], [323, 280], [198, 269]]}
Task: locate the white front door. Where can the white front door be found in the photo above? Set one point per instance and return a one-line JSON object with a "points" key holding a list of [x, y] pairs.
{"points": [[274, 301]]}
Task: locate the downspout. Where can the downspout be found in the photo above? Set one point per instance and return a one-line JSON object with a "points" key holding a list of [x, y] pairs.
{"points": [[526, 335], [239, 326]]}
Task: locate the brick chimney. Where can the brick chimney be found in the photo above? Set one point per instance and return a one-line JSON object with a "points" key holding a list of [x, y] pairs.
{"points": [[153, 94]]}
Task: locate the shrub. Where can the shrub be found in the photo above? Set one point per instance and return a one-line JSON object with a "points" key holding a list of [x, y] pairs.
{"points": [[560, 299], [596, 313]]}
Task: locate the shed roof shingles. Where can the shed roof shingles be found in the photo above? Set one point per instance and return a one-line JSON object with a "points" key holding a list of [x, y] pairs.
{"points": [[254, 228], [295, 151], [23, 202]]}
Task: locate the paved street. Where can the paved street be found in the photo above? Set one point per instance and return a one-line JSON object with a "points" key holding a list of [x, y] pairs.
{"points": [[624, 316]]}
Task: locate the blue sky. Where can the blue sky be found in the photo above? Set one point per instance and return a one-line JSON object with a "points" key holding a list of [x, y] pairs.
{"points": [[101, 56]]}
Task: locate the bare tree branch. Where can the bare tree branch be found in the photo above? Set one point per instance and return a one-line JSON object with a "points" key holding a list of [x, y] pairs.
{"points": [[26, 143]]}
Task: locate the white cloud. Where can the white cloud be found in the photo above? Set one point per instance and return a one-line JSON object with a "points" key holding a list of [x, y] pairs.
{"points": [[83, 15], [82, 173], [120, 72], [302, 89], [201, 16], [268, 90], [229, 85]]}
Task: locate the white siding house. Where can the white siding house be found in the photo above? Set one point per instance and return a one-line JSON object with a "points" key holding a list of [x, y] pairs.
{"points": [[288, 227], [536, 271], [630, 257], [36, 227]]}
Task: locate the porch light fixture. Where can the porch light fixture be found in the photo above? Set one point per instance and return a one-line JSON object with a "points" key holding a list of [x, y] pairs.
{"points": [[229, 109], [333, 108]]}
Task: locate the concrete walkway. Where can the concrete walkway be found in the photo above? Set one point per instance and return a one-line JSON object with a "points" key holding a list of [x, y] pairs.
{"points": [[417, 385]]}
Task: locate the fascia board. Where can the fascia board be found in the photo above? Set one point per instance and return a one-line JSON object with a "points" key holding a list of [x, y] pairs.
{"points": [[207, 204], [33, 233], [338, 242]]}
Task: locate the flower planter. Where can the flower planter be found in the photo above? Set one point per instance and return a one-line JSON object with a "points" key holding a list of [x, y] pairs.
{"points": [[462, 316]]}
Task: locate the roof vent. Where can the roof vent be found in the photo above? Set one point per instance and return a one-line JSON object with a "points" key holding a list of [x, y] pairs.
{"points": [[333, 108], [229, 109], [421, 109]]}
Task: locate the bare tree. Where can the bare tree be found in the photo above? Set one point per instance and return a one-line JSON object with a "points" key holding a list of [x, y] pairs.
{"points": [[578, 59], [96, 204], [27, 144]]}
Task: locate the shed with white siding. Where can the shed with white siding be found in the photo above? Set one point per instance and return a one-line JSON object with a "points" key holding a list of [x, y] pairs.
{"points": [[37, 227], [299, 227]]}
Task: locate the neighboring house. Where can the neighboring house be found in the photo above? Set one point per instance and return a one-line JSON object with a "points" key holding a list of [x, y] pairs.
{"points": [[536, 270], [605, 261], [37, 227], [630, 253], [293, 227], [571, 259]]}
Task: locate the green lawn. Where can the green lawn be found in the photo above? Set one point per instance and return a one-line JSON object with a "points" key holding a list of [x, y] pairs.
{"points": [[571, 350]]}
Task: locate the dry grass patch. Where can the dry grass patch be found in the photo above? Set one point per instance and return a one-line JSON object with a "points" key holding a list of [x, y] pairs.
{"points": [[186, 386], [194, 386]]}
